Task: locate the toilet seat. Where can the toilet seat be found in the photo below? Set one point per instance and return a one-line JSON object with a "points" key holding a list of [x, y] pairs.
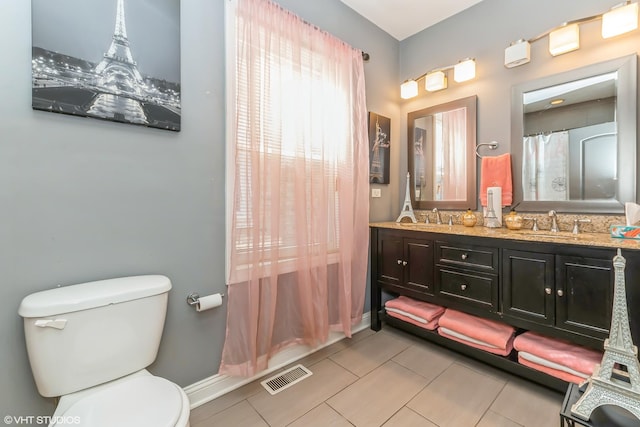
{"points": [[141, 401]]}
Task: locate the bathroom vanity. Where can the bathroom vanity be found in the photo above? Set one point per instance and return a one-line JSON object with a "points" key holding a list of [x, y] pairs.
{"points": [[558, 284]]}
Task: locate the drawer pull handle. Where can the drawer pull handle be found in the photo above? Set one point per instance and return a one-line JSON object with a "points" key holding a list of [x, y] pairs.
{"points": [[560, 292], [463, 287], [547, 291], [404, 262], [399, 261], [464, 256]]}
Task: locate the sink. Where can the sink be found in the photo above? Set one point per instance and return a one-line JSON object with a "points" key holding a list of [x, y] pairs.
{"points": [[559, 235]]}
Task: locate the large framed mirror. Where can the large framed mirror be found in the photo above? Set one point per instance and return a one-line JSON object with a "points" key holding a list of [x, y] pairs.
{"points": [[441, 142], [573, 139]]}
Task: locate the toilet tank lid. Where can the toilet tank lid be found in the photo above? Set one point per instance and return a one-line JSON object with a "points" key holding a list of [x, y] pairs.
{"points": [[67, 299]]}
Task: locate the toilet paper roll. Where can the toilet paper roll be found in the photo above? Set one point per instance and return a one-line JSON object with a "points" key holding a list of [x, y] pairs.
{"points": [[209, 302]]}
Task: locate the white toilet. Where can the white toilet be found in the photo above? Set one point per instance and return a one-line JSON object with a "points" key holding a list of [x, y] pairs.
{"points": [[89, 345]]}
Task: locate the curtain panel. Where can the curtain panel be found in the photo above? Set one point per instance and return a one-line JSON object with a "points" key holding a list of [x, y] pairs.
{"points": [[299, 224]]}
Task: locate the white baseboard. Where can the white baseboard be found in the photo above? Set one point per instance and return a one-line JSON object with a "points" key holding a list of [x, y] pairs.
{"points": [[215, 386]]}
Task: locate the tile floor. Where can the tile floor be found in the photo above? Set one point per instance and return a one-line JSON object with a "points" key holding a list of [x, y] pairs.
{"points": [[389, 379]]}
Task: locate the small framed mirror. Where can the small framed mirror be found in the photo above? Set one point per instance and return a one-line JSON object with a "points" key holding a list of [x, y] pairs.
{"points": [[574, 140], [441, 143]]}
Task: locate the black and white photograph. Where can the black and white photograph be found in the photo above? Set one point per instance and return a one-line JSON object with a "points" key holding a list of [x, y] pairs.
{"points": [[116, 60], [379, 137]]}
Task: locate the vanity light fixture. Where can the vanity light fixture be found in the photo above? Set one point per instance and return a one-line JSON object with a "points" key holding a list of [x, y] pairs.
{"points": [[464, 70], [409, 89], [564, 39], [436, 79], [621, 19]]}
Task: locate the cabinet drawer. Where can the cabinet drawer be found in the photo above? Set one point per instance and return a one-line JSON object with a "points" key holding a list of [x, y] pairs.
{"points": [[473, 288], [468, 256]]}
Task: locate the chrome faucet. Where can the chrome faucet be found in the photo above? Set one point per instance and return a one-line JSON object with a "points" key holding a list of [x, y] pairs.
{"points": [[576, 228], [554, 221], [438, 218]]}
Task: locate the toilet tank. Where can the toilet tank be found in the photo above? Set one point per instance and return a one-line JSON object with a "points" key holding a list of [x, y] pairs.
{"points": [[83, 335]]}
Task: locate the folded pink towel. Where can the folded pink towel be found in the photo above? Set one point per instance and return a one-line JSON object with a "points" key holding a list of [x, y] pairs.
{"points": [[558, 351], [564, 376], [489, 331], [496, 172], [426, 325], [421, 309], [461, 338]]}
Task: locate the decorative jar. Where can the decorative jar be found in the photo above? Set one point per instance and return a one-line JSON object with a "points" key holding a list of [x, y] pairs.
{"points": [[513, 220], [469, 219]]}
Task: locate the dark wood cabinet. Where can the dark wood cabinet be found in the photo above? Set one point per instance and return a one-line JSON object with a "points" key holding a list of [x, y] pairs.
{"points": [[561, 290], [571, 293], [466, 274], [584, 294], [528, 286], [403, 263]]}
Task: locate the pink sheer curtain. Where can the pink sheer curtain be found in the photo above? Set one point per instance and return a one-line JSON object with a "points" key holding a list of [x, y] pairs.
{"points": [[299, 239], [454, 139]]}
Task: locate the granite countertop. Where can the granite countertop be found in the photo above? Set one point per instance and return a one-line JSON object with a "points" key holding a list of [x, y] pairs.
{"points": [[602, 240]]}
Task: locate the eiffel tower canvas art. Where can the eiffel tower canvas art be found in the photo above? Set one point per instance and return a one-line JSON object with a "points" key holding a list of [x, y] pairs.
{"points": [[616, 381], [116, 60]]}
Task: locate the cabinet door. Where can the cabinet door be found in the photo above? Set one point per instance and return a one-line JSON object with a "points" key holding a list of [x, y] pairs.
{"points": [[584, 294], [528, 285], [390, 258], [418, 271]]}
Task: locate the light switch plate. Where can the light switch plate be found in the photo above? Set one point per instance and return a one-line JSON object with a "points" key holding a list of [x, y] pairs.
{"points": [[376, 192]]}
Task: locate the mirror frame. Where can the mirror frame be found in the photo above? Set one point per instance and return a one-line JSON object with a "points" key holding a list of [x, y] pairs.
{"points": [[626, 126], [470, 103]]}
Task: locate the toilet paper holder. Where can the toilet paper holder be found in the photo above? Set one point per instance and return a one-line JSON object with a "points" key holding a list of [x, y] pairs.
{"points": [[193, 299]]}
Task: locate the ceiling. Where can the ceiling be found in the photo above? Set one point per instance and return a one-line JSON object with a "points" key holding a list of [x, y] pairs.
{"points": [[404, 18]]}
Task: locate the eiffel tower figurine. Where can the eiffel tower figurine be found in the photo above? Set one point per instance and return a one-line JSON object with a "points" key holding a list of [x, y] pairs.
{"points": [[616, 380], [407, 209]]}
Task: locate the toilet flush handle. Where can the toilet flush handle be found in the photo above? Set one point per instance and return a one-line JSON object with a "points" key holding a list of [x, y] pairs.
{"points": [[52, 323]]}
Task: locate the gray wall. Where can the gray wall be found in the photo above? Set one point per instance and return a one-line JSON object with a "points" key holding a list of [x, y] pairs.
{"points": [[83, 199], [483, 32]]}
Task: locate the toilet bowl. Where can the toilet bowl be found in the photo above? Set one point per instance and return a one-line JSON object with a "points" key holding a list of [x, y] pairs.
{"points": [[89, 345], [137, 400]]}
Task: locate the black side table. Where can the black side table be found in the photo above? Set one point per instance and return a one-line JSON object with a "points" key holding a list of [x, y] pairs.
{"points": [[603, 416]]}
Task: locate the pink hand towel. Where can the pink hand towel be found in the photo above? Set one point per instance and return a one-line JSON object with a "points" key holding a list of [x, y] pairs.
{"points": [[496, 172], [564, 376], [563, 353], [420, 309], [489, 331]]}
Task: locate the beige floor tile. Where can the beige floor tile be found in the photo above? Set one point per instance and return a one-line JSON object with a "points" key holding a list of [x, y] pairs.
{"points": [[241, 414], [458, 397], [225, 401], [493, 419], [281, 409], [321, 416], [529, 404], [367, 354], [407, 418], [425, 359], [374, 399]]}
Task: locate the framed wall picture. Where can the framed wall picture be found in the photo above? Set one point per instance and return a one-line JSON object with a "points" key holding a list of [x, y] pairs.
{"points": [[379, 148], [114, 60]]}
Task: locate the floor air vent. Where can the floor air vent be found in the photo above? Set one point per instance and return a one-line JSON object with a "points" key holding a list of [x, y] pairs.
{"points": [[286, 379]]}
